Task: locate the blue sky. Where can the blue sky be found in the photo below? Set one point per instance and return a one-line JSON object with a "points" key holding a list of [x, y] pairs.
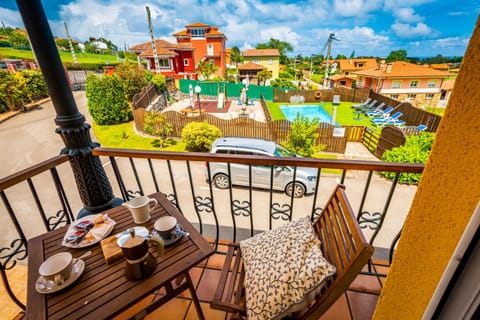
{"points": [[368, 27]]}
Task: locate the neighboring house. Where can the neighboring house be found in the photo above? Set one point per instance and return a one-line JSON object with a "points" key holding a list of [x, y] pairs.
{"points": [[208, 44], [446, 91], [250, 70], [340, 80], [268, 58], [174, 59], [440, 66], [404, 81], [347, 66]]}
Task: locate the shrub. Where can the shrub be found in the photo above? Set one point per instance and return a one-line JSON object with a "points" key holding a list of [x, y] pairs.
{"points": [[415, 150], [12, 89], [133, 78], [106, 100], [156, 124], [199, 136], [35, 84], [301, 139], [282, 83], [159, 81]]}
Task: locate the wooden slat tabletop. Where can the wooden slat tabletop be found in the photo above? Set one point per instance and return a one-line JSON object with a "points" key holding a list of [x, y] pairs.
{"points": [[103, 291]]}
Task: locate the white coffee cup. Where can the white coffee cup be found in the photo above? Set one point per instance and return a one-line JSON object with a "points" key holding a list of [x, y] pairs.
{"points": [[140, 208], [57, 268], [166, 226]]}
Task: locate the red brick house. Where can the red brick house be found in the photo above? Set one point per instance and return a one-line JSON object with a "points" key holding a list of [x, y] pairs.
{"points": [[174, 59], [208, 43], [196, 44]]}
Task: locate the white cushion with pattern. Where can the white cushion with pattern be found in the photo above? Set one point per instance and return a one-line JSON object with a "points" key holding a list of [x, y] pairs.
{"points": [[284, 270]]}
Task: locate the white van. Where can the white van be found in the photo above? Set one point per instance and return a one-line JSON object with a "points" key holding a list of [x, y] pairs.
{"points": [[305, 178]]}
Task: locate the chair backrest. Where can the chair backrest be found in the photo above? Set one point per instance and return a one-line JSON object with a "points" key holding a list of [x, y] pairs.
{"points": [[343, 244], [387, 110], [422, 127]]}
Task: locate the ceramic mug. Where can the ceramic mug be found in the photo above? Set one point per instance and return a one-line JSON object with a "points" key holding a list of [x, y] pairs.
{"points": [[166, 227], [140, 208], [57, 268]]}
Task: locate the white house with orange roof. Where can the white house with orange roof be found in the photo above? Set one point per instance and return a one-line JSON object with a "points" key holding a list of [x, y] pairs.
{"points": [[404, 81], [345, 68], [268, 58]]}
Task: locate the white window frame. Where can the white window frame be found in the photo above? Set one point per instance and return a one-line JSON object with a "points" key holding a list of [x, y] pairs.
{"points": [[256, 61], [197, 33], [414, 83], [432, 83], [429, 96], [210, 49], [396, 84], [186, 62], [394, 96], [270, 61], [412, 96]]}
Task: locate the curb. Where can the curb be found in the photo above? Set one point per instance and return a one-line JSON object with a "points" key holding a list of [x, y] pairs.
{"points": [[26, 108]]}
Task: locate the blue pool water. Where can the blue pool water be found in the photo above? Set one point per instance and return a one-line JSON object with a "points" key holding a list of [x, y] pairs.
{"points": [[310, 111]]}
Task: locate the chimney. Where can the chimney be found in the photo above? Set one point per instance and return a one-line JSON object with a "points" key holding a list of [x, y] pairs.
{"points": [[389, 68]]}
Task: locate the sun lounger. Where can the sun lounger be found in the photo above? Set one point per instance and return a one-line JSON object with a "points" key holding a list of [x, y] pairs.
{"points": [[380, 113], [376, 109], [369, 106], [394, 120], [363, 104], [336, 99]]}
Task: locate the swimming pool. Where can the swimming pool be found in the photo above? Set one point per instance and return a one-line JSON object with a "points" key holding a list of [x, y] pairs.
{"points": [[310, 111]]}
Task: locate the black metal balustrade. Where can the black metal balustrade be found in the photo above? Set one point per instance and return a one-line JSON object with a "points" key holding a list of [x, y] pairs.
{"points": [[41, 198]]}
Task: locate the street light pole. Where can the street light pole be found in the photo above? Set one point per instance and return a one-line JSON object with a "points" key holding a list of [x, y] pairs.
{"points": [[198, 89]]}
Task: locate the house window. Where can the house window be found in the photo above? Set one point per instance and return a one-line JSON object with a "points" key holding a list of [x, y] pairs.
{"points": [[394, 96], [411, 96], [185, 62], [198, 33], [429, 96], [414, 83], [256, 61], [343, 82], [270, 61], [164, 63], [432, 83], [210, 49], [396, 84], [359, 65]]}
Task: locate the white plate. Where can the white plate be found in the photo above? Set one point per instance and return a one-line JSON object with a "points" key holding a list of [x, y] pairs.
{"points": [[97, 234], [46, 286]]}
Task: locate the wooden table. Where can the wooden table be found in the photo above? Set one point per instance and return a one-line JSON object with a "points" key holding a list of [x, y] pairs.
{"points": [[103, 291]]}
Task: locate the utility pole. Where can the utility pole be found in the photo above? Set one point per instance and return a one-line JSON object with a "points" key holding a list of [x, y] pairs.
{"points": [[154, 47], [74, 57], [329, 49]]}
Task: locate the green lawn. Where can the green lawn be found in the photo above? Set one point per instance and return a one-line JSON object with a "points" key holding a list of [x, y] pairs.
{"points": [[345, 114], [65, 56], [123, 136]]}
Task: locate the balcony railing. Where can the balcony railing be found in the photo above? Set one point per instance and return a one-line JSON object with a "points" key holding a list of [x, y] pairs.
{"points": [[41, 198]]}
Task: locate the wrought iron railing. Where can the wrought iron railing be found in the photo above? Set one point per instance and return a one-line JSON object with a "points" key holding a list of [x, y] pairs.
{"points": [[41, 198]]}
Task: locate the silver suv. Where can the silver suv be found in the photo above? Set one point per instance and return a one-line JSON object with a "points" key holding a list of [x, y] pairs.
{"points": [[282, 175]]}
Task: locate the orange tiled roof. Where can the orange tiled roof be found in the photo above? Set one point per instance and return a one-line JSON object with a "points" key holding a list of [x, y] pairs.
{"points": [[160, 51], [159, 43], [337, 77], [181, 33], [401, 69], [351, 64], [439, 66], [196, 25], [261, 53], [250, 66]]}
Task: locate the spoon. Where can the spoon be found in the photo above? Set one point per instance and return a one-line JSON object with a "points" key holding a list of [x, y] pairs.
{"points": [[86, 254]]}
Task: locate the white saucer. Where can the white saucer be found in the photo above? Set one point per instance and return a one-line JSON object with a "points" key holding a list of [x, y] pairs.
{"points": [[44, 286]]}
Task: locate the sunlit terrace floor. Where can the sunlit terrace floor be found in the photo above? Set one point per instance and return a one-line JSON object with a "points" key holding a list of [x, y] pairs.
{"points": [[358, 303]]}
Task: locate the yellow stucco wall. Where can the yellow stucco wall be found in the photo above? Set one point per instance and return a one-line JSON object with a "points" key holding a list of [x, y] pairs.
{"points": [[445, 200]]}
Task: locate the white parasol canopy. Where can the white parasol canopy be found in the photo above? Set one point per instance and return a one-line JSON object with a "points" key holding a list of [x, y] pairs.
{"points": [[334, 115], [190, 90]]}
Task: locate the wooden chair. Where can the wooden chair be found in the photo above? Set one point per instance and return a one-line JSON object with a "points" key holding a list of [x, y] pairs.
{"points": [[343, 245]]}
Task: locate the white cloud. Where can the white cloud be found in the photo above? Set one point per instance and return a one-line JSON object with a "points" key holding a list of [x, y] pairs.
{"points": [[355, 8], [394, 4], [11, 18], [406, 15], [404, 30]]}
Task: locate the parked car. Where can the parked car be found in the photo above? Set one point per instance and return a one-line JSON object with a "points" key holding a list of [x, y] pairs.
{"points": [[305, 178]]}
